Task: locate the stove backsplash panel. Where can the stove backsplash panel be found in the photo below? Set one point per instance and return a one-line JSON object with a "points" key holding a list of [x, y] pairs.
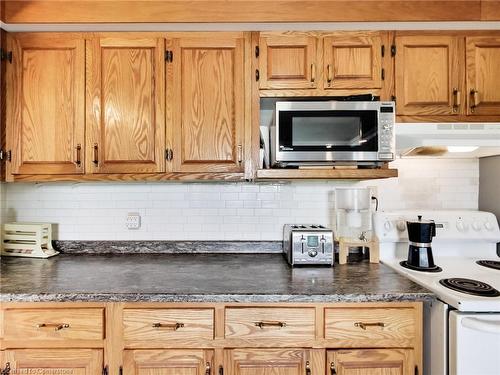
{"points": [[227, 211]]}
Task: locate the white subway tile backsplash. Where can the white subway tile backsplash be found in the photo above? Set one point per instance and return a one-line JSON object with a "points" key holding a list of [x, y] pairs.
{"points": [[227, 211]]}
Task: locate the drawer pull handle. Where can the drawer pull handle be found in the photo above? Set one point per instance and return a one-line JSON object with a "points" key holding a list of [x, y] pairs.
{"points": [[364, 325], [332, 369], [56, 326], [207, 369], [173, 326], [270, 323], [308, 368]]}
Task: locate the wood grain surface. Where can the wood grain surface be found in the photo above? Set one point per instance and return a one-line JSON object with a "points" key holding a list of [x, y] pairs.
{"points": [[483, 74], [53, 361], [241, 323], [198, 324], [427, 72], [97, 11], [398, 330], [125, 105], [168, 362], [45, 106], [84, 324], [371, 361], [207, 111], [353, 60], [349, 174]]}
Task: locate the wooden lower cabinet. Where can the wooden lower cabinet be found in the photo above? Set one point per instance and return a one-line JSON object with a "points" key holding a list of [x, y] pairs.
{"points": [[371, 362], [53, 361], [274, 361], [168, 362]]}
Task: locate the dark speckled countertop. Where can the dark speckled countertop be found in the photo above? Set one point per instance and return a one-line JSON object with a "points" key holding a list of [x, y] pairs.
{"points": [[198, 278]]}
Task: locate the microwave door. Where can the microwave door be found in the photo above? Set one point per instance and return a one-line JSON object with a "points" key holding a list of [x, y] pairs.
{"points": [[326, 132]]}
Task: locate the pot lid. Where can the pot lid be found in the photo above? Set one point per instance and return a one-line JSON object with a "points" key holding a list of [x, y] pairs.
{"points": [[420, 221]]}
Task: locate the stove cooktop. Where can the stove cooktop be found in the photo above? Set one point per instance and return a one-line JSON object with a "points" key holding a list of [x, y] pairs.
{"points": [[469, 286]]}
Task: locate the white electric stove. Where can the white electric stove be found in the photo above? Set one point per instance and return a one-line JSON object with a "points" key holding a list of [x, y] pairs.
{"points": [[462, 328]]}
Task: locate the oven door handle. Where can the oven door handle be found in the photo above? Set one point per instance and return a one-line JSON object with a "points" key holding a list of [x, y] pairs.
{"points": [[481, 325]]}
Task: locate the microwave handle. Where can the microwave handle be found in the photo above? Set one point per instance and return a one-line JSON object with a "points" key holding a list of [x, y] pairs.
{"points": [[481, 325]]}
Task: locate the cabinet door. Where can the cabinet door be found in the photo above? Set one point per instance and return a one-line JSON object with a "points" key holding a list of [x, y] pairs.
{"points": [[287, 61], [46, 99], [371, 361], [427, 75], [483, 75], [206, 103], [274, 361], [54, 361], [168, 362], [125, 105], [353, 60]]}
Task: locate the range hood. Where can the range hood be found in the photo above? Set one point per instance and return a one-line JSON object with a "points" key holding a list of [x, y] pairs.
{"points": [[448, 140]]}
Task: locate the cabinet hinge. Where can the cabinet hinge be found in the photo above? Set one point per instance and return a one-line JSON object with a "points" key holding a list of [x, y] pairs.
{"points": [[416, 370], [105, 370], [257, 51], [6, 370], [169, 56], [393, 98], [221, 370], [257, 75], [5, 155], [4, 55], [382, 74], [120, 371], [393, 50], [382, 50]]}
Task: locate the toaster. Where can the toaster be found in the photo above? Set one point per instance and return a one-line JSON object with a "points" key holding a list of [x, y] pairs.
{"points": [[308, 244]]}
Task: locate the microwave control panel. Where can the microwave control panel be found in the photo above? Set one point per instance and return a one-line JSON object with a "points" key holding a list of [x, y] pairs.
{"points": [[386, 131]]}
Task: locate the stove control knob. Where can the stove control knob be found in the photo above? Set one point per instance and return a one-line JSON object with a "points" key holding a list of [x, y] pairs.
{"points": [[461, 226], [476, 226], [488, 226], [388, 225], [401, 225]]}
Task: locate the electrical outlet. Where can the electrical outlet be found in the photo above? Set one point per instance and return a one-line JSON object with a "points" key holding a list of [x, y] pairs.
{"points": [[133, 220]]}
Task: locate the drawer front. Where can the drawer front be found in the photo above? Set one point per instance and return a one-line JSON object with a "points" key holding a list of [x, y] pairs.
{"points": [[168, 324], [385, 326], [54, 324], [270, 323]]}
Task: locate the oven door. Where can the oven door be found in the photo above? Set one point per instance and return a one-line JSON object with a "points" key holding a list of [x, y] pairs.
{"points": [[474, 343], [327, 135]]}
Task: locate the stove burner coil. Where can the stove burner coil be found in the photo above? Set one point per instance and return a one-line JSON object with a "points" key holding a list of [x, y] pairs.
{"points": [[405, 264], [493, 264], [472, 287]]}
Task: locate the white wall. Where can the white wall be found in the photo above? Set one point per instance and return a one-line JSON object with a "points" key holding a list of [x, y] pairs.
{"points": [[229, 211], [489, 185]]}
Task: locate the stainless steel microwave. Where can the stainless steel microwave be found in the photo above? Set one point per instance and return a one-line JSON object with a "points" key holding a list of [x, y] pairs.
{"points": [[332, 132]]}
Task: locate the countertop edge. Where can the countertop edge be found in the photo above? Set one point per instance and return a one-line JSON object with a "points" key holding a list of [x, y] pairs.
{"points": [[243, 298]]}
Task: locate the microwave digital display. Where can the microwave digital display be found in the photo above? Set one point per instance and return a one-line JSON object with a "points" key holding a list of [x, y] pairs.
{"points": [[326, 131]]}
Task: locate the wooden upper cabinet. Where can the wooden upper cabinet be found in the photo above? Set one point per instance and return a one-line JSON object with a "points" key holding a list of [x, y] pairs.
{"points": [[168, 362], [287, 61], [371, 361], [352, 60], [45, 104], [274, 361], [206, 88], [125, 105], [54, 361], [427, 75], [483, 75]]}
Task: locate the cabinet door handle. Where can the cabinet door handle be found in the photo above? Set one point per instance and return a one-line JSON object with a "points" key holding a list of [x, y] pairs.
{"points": [[332, 369], [270, 323], [208, 369], [313, 72], [56, 326], [172, 326], [456, 99], [96, 154], [6, 370], [78, 154], [364, 325], [474, 94], [308, 368], [240, 153], [329, 77]]}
